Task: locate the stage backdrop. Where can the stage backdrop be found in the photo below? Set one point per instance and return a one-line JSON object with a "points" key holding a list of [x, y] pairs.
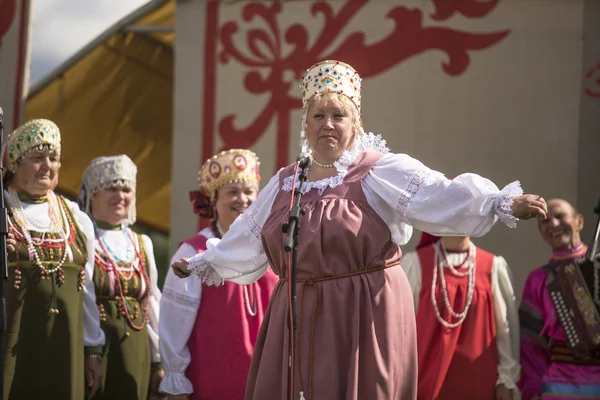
{"points": [[506, 89], [14, 59]]}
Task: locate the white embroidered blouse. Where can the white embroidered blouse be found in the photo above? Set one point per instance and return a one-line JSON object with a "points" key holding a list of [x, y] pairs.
{"points": [[179, 304], [403, 192]]}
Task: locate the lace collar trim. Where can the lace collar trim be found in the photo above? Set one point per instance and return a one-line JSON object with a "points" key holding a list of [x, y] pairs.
{"points": [[366, 142]]}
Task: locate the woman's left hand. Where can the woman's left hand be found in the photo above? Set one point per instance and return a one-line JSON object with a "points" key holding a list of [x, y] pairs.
{"points": [[529, 206], [155, 380]]}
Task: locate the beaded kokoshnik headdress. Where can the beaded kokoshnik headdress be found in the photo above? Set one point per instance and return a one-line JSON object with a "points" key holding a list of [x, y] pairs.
{"points": [[104, 173], [329, 76], [33, 136], [235, 165]]}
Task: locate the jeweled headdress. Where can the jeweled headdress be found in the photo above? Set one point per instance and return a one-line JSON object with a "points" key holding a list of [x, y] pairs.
{"points": [[236, 165], [330, 76], [30, 137], [104, 173]]}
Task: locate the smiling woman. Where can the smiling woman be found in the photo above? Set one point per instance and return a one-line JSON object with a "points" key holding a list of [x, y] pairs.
{"points": [[125, 279], [51, 313], [207, 334]]}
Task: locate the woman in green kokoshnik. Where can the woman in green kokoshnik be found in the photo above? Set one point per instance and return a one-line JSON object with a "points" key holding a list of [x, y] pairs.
{"points": [[125, 280], [53, 342]]}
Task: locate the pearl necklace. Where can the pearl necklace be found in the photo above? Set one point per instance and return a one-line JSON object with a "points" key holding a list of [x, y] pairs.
{"points": [[54, 225], [441, 262], [54, 209], [322, 165], [251, 309]]}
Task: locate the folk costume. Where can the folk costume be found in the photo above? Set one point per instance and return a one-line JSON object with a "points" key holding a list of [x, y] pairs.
{"points": [[466, 316], [552, 367], [51, 313], [125, 280], [356, 335], [208, 333]]}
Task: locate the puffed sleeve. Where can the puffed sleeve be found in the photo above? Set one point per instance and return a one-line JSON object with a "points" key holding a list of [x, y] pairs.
{"points": [[93, 336], [179, 305], [406, 194], [507, 323], [154, 301], [239, 256]]}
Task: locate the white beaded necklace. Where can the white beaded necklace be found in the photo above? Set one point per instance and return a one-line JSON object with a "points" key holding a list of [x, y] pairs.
{"points": [[251, 309], [323, 165], [442, 262], [55, 212]]}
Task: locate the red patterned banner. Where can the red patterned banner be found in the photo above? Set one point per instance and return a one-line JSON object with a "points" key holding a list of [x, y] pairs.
{"points": [[273, 53]]}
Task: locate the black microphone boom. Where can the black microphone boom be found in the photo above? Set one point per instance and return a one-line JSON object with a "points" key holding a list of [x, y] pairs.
{"points": [[292, 228]]}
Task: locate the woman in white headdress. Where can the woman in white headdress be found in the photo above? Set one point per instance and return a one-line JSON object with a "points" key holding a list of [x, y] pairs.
{"points": [[53, 339], [356, 332], [125, 279]]}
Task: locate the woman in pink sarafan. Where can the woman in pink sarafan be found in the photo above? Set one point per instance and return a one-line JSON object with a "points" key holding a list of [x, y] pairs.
{"points": [[356, 336], [208, 333]]}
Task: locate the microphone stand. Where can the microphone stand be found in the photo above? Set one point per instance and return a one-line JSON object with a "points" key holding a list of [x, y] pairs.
{"points": [[593, 248], [292, 227], [3, 257]]}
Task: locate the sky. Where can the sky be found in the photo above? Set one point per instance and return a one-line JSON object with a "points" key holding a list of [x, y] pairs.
{"points": [[62, 27]]}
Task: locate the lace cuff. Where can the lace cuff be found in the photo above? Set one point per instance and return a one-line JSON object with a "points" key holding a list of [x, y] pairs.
{"points": [[503, 203], [204, 271], [176, 383]]}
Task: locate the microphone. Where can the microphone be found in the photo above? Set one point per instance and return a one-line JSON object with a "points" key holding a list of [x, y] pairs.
{"points": [[304, 159]]}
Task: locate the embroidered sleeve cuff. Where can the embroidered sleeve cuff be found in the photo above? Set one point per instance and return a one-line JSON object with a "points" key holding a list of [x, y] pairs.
{"points": [[176, 383], [204, 271], [504, 201]]}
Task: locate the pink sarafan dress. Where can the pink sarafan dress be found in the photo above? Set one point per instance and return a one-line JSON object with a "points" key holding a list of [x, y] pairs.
{"points": [[356, 335]]}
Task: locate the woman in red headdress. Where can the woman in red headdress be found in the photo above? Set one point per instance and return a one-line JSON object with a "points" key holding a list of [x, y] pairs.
{"points": [[207, 333], [466, 320]]}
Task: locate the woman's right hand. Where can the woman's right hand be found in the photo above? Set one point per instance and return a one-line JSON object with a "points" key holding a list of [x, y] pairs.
{"points": [[178, 396], [529, 206], [180, 268]]}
